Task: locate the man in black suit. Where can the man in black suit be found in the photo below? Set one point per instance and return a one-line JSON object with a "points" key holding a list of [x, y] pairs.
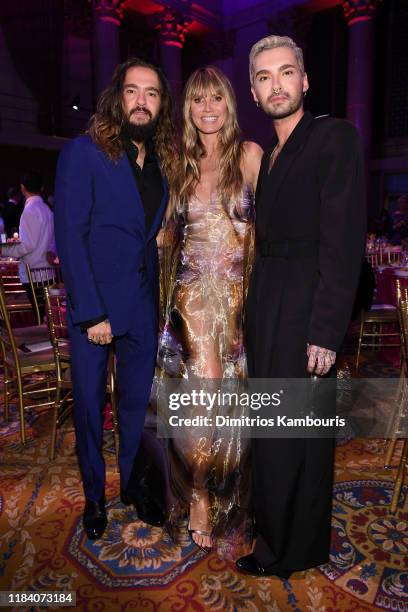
{"points": [[12, 211], [310, 234]]}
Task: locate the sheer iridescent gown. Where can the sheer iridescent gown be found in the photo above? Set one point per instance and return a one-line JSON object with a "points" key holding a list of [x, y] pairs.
{"points": [[206, 269]]}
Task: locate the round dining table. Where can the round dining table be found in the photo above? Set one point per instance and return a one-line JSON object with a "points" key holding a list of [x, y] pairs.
{"points": [[386, 286]]}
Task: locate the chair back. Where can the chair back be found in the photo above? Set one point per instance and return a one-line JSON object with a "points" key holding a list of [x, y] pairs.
{"points": [[403, 317], [8, 341], [401, 292], [44, 276], [56, 307], [375, 258], [39, 278], [394, 255], [15, 295]]}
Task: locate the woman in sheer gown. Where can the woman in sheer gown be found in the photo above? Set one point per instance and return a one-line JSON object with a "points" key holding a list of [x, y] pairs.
{"points": [[206, 257]]}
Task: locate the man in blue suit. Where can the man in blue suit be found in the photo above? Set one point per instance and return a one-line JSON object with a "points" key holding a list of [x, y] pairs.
{"points": [[111, 194]]}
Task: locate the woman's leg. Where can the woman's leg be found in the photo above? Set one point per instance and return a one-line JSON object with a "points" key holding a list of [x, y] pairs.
{"points": [[211, 320], [204, 363]]}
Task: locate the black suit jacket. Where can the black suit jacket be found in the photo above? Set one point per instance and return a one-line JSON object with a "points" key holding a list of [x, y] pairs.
{"points": [[310, 235]]}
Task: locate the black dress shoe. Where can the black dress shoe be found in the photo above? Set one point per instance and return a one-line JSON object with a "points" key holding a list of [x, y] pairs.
{"points": [[147, 510], [94, 518], [250, 565], [125, 498]]}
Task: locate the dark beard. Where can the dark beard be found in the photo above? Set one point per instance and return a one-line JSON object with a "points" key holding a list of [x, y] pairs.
{"points": [[140, 132]]}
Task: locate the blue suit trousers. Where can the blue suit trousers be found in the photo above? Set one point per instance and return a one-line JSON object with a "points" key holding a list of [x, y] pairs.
{"points": [[135, 361]]}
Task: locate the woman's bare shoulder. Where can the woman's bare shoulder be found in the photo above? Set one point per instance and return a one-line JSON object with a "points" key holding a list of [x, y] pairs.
{"points": [[251, 148]]}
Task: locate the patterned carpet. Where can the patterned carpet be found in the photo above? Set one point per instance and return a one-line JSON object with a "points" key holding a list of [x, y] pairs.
{"points": [[137, 567]]}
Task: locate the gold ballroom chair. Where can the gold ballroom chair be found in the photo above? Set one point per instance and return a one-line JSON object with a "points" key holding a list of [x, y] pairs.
{"points": [[371, 334], [375, 258], [55, 302], [384, 256], [399, 423], [393, 255], [39, 278], [15, 295], [27, 375]]}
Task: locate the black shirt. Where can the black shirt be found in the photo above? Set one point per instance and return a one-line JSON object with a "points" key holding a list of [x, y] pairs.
{"points": [[150, 185], [148, 179]]}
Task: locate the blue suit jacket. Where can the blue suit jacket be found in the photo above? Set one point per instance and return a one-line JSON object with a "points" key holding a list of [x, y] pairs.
{"points": [[101, 237]]}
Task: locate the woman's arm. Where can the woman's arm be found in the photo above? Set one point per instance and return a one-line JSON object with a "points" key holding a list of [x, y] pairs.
{"points": [[251, 162]]}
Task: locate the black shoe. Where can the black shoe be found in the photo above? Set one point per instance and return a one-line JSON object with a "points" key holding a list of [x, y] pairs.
{"points": [[125, 498], [250, 565], [147, 510], [94, 518]]}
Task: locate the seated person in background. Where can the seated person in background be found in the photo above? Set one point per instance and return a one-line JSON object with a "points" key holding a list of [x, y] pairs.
{"points": [[36, 238], [400, 221]]}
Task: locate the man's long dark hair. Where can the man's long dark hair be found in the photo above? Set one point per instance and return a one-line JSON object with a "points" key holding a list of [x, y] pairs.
{"points": [[106, 124]]}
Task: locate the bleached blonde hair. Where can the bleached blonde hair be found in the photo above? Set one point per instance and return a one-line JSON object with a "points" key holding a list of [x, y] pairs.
{"points": [[273, 42]]}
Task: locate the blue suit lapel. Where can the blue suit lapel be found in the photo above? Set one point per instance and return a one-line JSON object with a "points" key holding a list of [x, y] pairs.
{"points": [[126, 187], [124, 184]]}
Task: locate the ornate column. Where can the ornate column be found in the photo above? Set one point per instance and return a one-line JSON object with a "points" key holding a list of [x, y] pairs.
{"points": [[359, 16], [172, 26], [106, 54]]}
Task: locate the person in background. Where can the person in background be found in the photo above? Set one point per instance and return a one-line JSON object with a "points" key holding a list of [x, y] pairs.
{"points": [[12, 211], [36, 236], [399, 232]]}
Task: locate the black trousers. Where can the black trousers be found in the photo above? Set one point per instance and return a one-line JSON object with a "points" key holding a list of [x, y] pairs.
{"points": [[292, 490], [292, 477]]}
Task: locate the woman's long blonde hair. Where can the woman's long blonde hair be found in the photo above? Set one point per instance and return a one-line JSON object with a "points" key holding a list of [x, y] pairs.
{"points": [[208, 79]]}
